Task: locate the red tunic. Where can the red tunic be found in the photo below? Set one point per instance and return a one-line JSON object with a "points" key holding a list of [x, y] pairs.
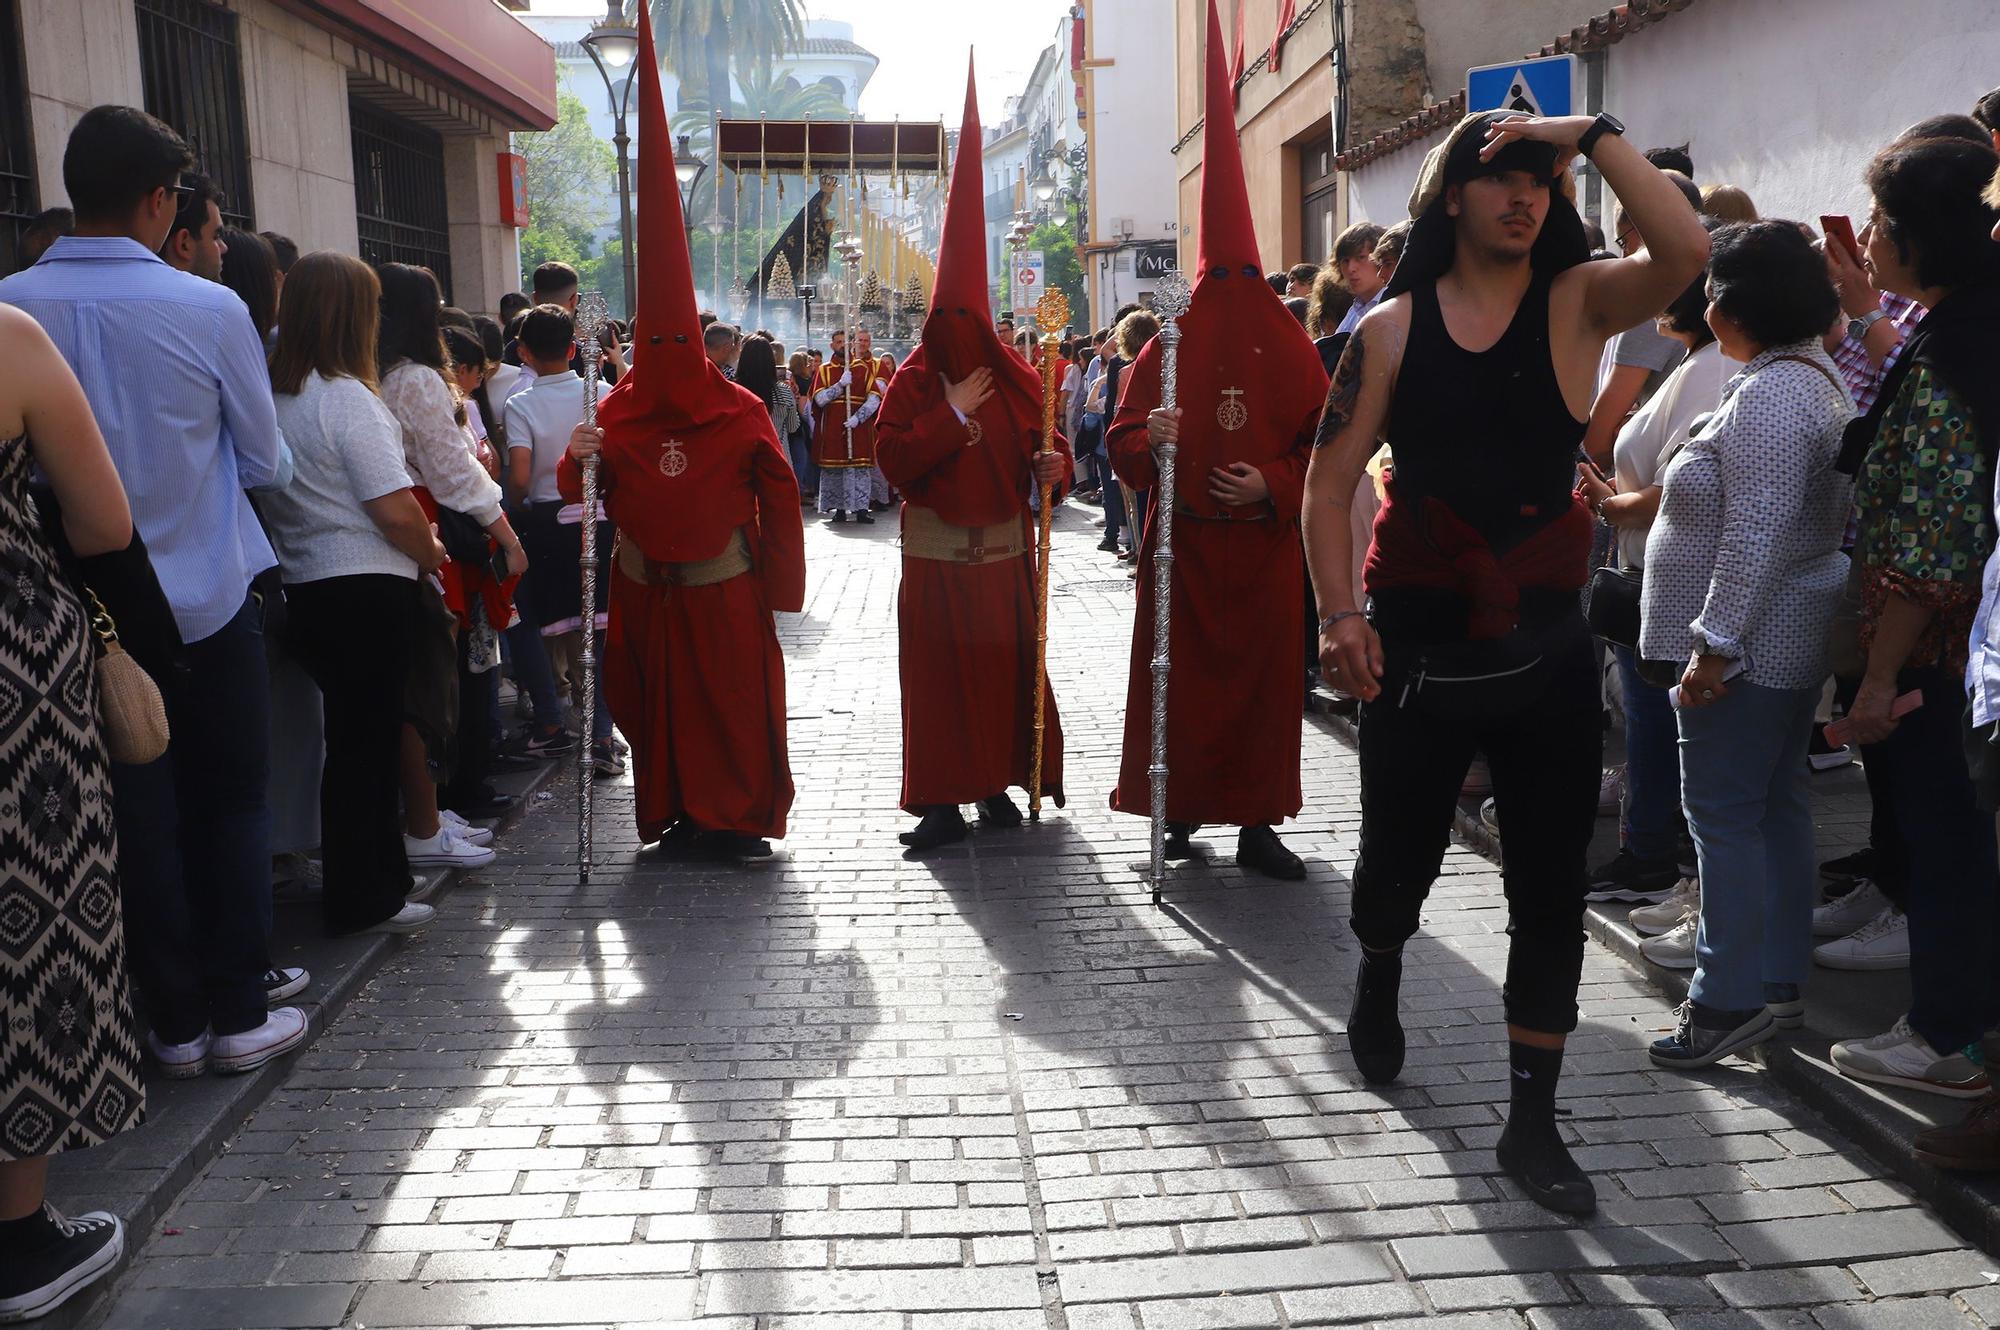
{"points": [[1235, 683], [966, 632], [830, 420], [693, 674]]}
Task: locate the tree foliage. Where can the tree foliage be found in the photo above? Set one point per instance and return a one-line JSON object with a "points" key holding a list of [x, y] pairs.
{"points": [[570, 171]]}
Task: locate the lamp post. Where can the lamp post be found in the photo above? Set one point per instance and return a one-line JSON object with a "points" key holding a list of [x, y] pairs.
{"points": [[688, 170], [613, 45]]}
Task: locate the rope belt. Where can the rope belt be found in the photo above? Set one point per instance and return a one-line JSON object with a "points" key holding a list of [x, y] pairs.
{"points": [[928, 536], [734, 561]]}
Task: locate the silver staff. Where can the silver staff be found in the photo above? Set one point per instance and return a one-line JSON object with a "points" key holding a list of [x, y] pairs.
{"points": [[592, 314], [1170, 302]]}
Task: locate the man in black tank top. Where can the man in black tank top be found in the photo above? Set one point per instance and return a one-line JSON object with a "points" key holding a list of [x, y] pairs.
{"points": [[1477, 370]]}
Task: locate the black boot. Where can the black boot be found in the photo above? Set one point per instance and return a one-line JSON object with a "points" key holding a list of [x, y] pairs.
{"points": [[679, 839], [839, 515], [1374, 1029], [731, 845], [942, 824], [1179, 844], [866, 517], [999, 812], [1259, 849], [1531, 1150]]}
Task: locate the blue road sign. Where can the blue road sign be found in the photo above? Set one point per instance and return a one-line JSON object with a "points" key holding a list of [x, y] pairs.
{"points": [[1542, 86]]}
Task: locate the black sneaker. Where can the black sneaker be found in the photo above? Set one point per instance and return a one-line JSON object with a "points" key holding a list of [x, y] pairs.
{"points": [[552, 742], [283, 981], [1862, 863], [1626, 877], [1705, 1035], [1374, 1028], [67, 1257]]}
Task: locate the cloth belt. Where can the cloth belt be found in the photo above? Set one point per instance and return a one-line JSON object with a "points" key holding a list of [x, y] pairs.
{"points": [[734, 561], [1181, 509], [928, 536]]}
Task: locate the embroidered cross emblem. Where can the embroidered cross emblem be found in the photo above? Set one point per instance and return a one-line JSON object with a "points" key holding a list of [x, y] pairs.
{"points": [[1232, 414], [672, 460]]}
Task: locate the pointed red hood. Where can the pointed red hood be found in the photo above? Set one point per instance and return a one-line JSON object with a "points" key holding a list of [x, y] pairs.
{"points": [[673, 385], [958, 334], [1249, 377]]}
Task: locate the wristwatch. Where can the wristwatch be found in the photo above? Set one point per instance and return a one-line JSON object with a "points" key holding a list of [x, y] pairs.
{"points": [[1599, 127], [1858, 328]]}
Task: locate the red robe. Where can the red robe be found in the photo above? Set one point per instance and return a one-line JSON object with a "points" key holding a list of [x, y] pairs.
{"points": [[966, 632], [1235, 683], [830, 420], [693, 674]]}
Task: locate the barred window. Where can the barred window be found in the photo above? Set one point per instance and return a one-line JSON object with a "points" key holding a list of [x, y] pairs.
{"points": [[193, 75], [17, 165], [399, 196]]}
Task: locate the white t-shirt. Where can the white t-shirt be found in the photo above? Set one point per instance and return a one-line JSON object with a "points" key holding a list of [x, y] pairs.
{"points": [[347, 448], [500, 385], [1691, 391], [540, 418]]}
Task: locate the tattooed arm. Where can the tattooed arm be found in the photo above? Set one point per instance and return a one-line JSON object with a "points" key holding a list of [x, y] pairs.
{"points": [[1357, 409]]}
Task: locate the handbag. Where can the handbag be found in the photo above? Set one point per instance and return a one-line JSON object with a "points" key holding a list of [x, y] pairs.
{"points": [[1611, 605], [130, 711], [464, 540]]}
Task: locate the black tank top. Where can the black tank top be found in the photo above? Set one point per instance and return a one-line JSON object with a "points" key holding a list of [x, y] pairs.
{"points": [[1486, 432]]}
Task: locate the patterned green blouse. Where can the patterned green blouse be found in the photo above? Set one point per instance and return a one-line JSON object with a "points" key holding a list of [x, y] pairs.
{"points": [[1926, 519]]}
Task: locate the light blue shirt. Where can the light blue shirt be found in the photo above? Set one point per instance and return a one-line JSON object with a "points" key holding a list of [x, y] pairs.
{"points": [[174, 370], [1982, 665]]}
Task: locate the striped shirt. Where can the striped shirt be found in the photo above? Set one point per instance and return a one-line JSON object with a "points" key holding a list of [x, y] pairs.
{"points": [[173, 369]]}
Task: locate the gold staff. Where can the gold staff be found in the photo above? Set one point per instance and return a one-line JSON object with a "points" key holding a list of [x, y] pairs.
{"points": [[1051, 316]]}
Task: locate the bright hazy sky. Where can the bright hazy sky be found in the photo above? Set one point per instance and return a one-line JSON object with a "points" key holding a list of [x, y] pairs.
{"points": [[922, 45]]}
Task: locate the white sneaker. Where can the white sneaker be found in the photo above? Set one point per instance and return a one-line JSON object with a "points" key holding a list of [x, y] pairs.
{"points": [[1899, 1056], [1673, 950], [1840, 915], [412, 918], [1883, 943], [1669, 914], [181, 1062], [447, 849], [282, 1031], [1611, 791], [1478, 780], [1489, 817], [468, 832]]}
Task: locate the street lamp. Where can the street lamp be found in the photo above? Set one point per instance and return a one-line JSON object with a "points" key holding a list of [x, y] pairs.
{"points": [[613, 45], [688, 169]]}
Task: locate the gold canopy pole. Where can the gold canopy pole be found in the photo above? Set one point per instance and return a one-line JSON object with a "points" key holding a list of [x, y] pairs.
{"points": [[1051, 315]]}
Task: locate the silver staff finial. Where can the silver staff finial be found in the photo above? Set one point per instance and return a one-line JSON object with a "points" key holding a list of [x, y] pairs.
{"points": [[1172, 296]]}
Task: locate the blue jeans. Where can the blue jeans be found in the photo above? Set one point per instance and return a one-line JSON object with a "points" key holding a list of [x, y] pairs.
{"points": [[1651, 821], [194, 838], [1744, 785], [1954, 883], [1114, 503]]}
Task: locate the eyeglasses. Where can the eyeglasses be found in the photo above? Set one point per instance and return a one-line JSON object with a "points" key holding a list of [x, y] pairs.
{"points": [[1627, 238]]}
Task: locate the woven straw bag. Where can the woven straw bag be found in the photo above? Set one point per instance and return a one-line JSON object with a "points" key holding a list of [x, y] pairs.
{"points": [[133, 716]]}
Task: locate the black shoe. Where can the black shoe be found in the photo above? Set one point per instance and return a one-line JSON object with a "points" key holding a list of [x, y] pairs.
{"points": [[731, 845], [480, 807], [1705, 1035], [1179, 839], [283, 981], [943, 825], [679, 839], [865, 517], [839, 515], [1533, 1154], [552, 742], [999, 812], [1260, 850], [513, 762], [1109, 544], [1374, 1030], [1627, 877], [1862, 863], [65, 1257]]}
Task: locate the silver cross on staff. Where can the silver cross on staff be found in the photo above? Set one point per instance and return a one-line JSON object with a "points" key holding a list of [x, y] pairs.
{"points": [[592, 314], [1170, 302]]}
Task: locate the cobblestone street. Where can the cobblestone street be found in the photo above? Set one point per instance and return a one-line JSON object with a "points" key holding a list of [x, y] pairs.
{"points": [[996, 1088]]}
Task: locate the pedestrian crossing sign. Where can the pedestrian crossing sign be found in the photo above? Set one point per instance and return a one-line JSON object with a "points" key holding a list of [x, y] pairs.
{"points": [[1542, 86]]}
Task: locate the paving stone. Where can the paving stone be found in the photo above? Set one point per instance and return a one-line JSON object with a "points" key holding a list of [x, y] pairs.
{"points": [[1838, 1237], [269, 1308], [1894, 1314], [580, 1302], [1480, 1292], [1349, 1306], [1785, 1288], [750, 1292], [1244, 1272], [1940, 1272]]}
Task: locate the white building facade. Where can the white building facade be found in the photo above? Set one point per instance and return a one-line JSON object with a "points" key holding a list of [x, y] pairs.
{"points": [[1128, 129]]}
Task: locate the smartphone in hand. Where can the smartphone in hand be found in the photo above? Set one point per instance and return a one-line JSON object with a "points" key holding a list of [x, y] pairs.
{"points": [[1840, 229], [1836, 731]]}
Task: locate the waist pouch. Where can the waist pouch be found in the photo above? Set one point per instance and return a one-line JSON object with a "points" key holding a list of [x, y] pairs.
{"points": [[1478, 679]]}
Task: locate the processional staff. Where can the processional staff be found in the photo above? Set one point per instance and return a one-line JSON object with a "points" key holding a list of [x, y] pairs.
{"points": [[1170, 302], [1051, 316], [592, 314]]}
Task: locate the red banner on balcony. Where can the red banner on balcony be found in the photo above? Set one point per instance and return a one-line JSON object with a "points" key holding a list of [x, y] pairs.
{"points": [[1288, 12]]}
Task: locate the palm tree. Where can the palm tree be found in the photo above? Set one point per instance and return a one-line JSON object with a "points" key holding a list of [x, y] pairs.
{"points": [[708, 35]]}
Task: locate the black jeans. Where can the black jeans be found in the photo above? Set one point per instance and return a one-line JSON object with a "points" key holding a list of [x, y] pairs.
{"points": [[474, 751], [194, 841], [1545, 761], [353, 635], [1953, 889]]}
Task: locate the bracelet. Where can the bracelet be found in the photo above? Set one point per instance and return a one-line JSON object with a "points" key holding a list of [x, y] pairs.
{"points": [[1335, 617]]}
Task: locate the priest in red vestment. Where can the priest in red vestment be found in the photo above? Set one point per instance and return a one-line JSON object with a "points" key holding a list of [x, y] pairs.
{"points": [[885, 370], [958, 436], [710, 544], [1250, 391], [846, 395]]}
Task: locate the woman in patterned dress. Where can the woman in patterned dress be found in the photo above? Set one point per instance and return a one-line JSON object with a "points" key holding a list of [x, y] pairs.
{"points": [[69, 1060]]}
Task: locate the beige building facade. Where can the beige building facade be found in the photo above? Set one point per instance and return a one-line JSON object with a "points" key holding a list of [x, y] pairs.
{"points": [[374, 127]]}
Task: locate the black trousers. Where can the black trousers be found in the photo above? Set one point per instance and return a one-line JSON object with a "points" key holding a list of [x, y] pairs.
{"points": [[1544, 752], [472, 755], [354, 635]]}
